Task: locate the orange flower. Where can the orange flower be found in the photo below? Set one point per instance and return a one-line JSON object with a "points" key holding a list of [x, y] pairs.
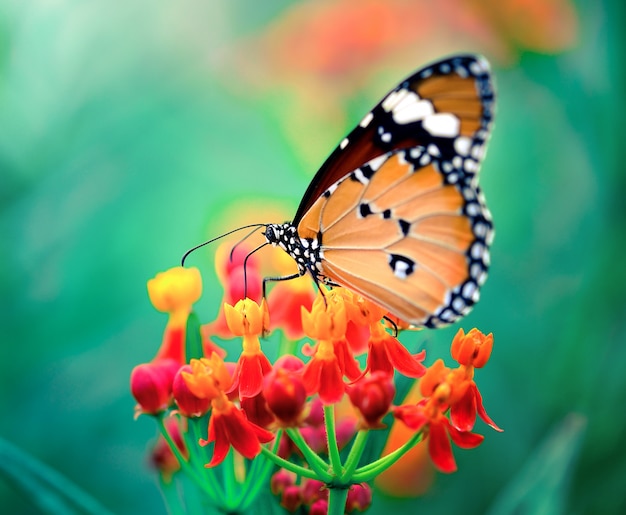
{"points": [[208, 378], [473, 348], [249, 320], [323, 374]]}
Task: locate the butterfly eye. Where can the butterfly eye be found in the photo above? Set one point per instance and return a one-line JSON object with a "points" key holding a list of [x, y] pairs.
{"points": [[270, 234]]}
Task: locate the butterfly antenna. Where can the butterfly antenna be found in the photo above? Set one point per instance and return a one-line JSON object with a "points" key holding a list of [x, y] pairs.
{"points": [[232, 251], [245, 269], [256, 226], [394, 326]]}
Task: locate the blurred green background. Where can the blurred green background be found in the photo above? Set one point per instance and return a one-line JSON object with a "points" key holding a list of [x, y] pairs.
{"points": [[131, 131]]}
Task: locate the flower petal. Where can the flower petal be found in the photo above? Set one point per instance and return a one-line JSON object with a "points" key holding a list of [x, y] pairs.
{"points": [[440, 448]]}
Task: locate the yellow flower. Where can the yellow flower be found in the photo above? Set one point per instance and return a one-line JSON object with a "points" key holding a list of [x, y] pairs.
{"points": [[175, 289]]}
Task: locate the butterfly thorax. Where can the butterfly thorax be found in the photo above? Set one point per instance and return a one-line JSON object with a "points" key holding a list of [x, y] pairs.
{"points": [[306, 252]]}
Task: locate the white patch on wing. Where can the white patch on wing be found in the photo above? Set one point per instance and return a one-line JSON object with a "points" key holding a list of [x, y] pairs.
{"points": [[411, 109], [445, 125], [462, 145], [366, 120], [377, 162]]}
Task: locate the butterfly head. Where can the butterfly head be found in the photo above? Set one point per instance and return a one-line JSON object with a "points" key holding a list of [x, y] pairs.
{"points": [[306, 252]]}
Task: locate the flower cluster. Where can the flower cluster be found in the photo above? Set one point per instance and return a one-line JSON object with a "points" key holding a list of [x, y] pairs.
{"points": [[311, 409]]}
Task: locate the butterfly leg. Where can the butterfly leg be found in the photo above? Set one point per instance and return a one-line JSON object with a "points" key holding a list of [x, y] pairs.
{"points": [[277, 279]]}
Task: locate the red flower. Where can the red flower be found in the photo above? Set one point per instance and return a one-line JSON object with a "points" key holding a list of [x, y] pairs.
{"points": [[425, 416], [387, 354], [463, 412], [322, 375], [228, 426]]}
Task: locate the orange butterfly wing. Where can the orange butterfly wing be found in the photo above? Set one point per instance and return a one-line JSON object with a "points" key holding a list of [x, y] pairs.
{"points": [[398, 232]]}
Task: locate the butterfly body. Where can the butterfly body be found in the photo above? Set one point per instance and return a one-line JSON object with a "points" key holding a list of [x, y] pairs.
{"points": [[395, 213]]}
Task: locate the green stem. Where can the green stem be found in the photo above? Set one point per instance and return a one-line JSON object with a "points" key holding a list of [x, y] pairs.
{"points": [[355, 455], [254, 484], [371, 470], [171, 496], [314, 461], [286, 345], [184, 464], [287, 465], [228, 469], [337, 501], [331, 438], [198, 454]]}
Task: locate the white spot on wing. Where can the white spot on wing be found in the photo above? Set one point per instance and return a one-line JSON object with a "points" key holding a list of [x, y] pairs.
{"points": [[377, 162], [393, 99], [462, 145], [445, 125], [413, 111], [366, 120], [400, 269], [344, 143]]}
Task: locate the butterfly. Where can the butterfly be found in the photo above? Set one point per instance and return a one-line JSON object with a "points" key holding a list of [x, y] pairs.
{"points": [[395, 213]]}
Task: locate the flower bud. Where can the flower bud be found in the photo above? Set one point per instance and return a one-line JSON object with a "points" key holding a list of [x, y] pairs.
{"points": [[151, 385], [285, 395], [189, 404], [319, 507], [291, 499], [359, 498], [312, 490], [473, 348], [281, 480], [372, 397], [162, 457]]}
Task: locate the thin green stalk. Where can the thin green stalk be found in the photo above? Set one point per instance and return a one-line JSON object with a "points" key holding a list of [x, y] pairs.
{"points": [[254, 484], [355, 455], [184, 464], [314, 461], [228, 469], [337, 501], [211, 482], [371, 470], [286, 345], [331, 438], [171, 496], [287, 465]]}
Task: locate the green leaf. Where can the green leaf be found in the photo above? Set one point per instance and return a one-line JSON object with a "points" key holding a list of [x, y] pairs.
{"points": [[46, 488], [541, 486], [193, 339]]}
